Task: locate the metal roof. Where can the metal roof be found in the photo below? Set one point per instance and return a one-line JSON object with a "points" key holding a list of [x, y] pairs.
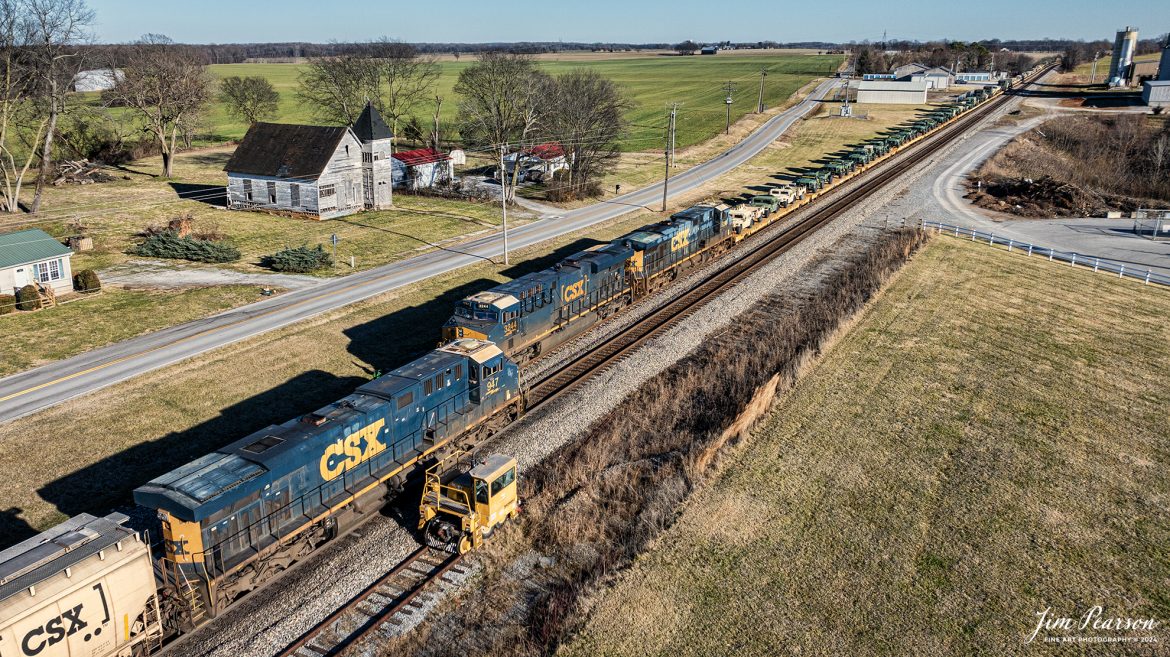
{"points": [[53, 550], [370, 125], [25, 246], [491, 466], [282, 150], [420, 156]]}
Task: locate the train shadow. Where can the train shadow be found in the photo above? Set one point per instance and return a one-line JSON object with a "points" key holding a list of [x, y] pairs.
{"points": [[397, 338], [377, 346], [13, 528]]}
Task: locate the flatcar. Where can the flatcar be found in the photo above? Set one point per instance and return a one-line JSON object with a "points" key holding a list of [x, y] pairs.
{"points": [[538, 311], [234, 518]]}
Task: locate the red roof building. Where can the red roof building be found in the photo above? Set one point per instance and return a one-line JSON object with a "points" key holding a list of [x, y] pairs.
{"points": [[548, 151], [421, 156]]}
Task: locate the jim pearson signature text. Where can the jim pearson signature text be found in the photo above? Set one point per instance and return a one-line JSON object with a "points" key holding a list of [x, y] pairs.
{"points": [[1094, 619]]}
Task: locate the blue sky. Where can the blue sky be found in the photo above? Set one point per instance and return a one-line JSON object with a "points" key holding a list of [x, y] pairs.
{"points": [[235, 21]]}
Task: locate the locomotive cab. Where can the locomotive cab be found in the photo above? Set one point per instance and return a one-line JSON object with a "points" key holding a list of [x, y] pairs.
{"points": [[484, 316], [460, 508]]}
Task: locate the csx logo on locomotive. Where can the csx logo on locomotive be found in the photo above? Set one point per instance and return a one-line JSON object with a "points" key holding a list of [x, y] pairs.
{"points": [[680, 240], [574, 291], [55, 631], [354, 449]]}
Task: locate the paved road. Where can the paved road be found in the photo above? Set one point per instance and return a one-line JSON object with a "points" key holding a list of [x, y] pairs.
{"points": [[1111, 239], [51, 384]]}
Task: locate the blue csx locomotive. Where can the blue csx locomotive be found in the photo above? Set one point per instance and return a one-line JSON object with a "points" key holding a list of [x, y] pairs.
{"points": [[538, 311], [237, 516]]}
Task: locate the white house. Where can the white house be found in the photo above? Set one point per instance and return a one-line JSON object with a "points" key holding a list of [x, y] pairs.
{"points": [[539, 162], [33, 256], [98, 79]]}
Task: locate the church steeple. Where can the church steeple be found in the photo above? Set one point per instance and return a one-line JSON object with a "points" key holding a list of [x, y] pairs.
{"points": [[370, 126]]}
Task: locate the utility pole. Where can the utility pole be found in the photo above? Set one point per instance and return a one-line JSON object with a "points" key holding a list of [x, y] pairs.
{"points": [[760, 106], [728, 88], [504, 198], [669, 153]]}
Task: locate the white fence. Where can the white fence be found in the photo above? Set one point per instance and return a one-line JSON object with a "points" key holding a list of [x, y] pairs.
{"points": [[1121, 269]]}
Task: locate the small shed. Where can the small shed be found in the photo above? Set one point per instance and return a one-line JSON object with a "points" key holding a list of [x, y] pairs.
{"points": [[422, 168], [1156, 93], [889, 92], [34, 256]]}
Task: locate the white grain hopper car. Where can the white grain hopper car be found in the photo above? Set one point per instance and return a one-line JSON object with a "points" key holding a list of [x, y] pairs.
{"points": [[83, 588]]}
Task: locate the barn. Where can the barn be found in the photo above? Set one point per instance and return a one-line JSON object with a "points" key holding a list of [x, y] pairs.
{"points": [[301, 169], [892, 92]]}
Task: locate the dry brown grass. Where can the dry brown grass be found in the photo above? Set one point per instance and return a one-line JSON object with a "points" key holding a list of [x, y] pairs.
{"points": [[594, 506], [989, 440], [1080, 166]]}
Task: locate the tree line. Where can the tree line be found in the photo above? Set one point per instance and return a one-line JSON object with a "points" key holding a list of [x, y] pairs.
{"points": [[975, 56], [163, 91]]}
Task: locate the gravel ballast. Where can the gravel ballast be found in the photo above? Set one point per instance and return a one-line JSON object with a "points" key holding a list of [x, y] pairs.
{"points": [[271, 618]]}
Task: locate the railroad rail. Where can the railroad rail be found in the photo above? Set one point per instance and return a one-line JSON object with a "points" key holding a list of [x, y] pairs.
{"points": [[577, 370], [396, 593], [385, 602]]}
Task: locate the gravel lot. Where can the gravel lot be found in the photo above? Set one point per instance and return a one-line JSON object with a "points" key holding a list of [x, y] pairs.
{"points": [[271, 618]]}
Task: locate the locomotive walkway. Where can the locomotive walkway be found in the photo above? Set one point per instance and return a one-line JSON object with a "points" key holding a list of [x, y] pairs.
{"points": [[48, 385]]}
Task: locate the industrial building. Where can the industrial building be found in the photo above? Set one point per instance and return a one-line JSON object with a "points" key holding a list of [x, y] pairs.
{"points": [[1124, 47], [973, 76], [1164, 67], [1156, 93], [891, 92]]}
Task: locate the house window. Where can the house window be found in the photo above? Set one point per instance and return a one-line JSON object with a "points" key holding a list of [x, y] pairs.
{"points": [[328, 190], [271, 192], [47, 271], [347, 150], [294, 192], [367, 157], [247, 189]]}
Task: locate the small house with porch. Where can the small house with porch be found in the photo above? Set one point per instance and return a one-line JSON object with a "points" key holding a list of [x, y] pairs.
{"points": [[29, 257], [537, 163]]}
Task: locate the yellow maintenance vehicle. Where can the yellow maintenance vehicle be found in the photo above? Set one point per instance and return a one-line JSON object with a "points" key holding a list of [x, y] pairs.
{"points": [[461, 507]]}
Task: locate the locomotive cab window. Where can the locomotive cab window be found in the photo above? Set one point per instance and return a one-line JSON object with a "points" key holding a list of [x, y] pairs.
{"points": [[481, 491], [503, 481]]}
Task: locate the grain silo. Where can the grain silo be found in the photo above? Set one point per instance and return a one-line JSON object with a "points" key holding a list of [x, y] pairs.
{"points": [[1124, 48], [1164, 66]]}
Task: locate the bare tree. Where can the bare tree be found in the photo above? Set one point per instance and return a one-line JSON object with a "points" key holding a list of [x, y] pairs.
{"points": [[248, 99], [338, 87], [409, 77], [56, 28], [585, 113], [687, 47], [167, 87], [499, 106], [18, 112]]}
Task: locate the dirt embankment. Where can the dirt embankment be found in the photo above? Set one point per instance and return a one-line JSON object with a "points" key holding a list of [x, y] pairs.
{"points": [[594, 505], [1079, 166]]}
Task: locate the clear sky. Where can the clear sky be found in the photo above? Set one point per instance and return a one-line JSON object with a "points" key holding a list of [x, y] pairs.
{"points": [[627, 21]]}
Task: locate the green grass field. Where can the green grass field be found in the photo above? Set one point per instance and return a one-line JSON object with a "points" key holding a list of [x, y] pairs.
{"points": [[652, 82], [988, 441]]}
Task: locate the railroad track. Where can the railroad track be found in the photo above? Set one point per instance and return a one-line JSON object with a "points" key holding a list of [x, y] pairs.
{"points": [[396, 594], [389, 601], [577, 370]]}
